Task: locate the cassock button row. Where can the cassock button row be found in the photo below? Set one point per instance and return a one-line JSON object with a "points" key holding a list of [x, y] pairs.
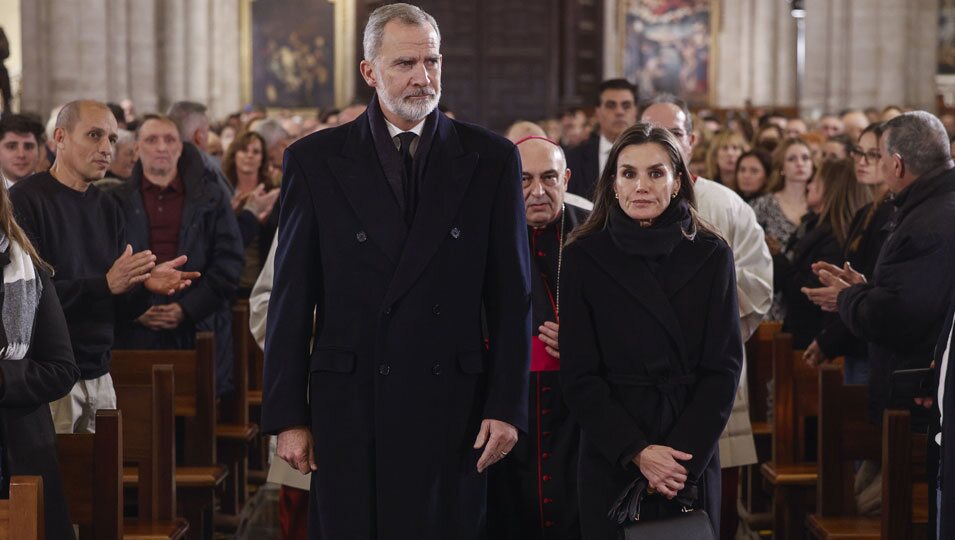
{"points": [[455, 233], [548, 501], [361, 237], [545, 455], [545, 412], [384, 369], [436, 369], [545, 434], [548, 524], [546, 478], [545, 389]]}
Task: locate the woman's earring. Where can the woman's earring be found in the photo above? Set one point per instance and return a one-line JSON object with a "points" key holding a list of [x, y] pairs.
{"points": [[616, 195], [675, 193]]}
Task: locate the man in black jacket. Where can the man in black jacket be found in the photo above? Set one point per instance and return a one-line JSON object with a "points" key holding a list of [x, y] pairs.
{"points": [[81, 232], [900, 310], [616, 111], [173, 204]]}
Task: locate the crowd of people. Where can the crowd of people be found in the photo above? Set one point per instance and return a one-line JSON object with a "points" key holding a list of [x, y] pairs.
{"points": [[578, 339]]}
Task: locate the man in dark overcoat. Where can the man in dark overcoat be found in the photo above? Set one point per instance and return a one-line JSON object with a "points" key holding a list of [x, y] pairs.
{"points": [[405, 232]]}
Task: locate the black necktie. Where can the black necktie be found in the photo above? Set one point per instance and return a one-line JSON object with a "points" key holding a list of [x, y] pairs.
{"points": [[407, 174]]}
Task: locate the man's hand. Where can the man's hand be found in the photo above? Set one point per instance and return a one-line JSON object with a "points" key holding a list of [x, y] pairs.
{"points": [[261, 202], [129, 270], [498, 438], [295, 447], [165, 317], [166, 279], [834, 281], [813, 355], [926, 402], [548, 334], [847, 273], [659, 466]]}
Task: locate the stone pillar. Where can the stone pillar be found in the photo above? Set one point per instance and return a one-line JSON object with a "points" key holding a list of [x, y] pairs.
{"points": [[143, 55], [117, 50], [172, 65], [197, 41], [225, 81]]}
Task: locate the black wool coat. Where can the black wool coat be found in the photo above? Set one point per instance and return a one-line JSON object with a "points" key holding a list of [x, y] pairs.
{"points": [[647, 358], [815, 242], [398, 378], [209, 236], [900, 310], [47, 373]]}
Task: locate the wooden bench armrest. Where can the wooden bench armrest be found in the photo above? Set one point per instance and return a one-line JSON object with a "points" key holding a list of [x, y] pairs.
{"points": [[800, 474], [186, 477], [239, 432]]}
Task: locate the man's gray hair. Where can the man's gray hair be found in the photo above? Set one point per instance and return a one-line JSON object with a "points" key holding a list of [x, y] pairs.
{"points": [[920, 139], [670, 99], [271, 130], [405, 13], [188, 116]]}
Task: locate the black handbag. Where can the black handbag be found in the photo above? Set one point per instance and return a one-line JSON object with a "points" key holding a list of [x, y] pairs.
{"points": [[687, 524]]}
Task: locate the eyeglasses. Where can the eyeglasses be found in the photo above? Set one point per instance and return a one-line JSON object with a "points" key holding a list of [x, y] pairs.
{"points": [[870, 157]]}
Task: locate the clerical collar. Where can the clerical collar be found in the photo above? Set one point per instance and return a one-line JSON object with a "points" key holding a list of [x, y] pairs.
{"points": [[394, 131]]}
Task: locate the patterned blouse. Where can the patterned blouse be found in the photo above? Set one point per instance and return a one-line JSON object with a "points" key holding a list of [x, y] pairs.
{"points": [[772, 219]]}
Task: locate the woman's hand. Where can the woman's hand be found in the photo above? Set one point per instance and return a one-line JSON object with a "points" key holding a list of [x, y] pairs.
{"points": [[659, 466]]}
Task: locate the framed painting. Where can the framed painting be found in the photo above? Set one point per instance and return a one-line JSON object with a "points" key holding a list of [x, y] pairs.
{"points": [[294, 51], [667, 47]]}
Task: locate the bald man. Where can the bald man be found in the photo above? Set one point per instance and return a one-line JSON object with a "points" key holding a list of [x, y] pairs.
{"points": [[81, 232], [533, 493], [523, 129]]}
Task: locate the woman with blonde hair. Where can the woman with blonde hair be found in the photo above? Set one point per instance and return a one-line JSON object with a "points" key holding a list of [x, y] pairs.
{"points": [[834, 197], [781, 210], [36, 368], [725, 149]]}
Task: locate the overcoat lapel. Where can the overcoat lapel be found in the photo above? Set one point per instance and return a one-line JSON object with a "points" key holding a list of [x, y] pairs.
{"points": [[633, 274], [446, 178], [362, 179]]}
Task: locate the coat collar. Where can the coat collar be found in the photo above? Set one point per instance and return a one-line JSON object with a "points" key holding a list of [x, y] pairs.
{"points": [[361, 175], [654, 291]]}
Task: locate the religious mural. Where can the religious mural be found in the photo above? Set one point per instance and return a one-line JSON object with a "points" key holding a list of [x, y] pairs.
{"points": [[293, 53], [667, 47], [946, 37]]}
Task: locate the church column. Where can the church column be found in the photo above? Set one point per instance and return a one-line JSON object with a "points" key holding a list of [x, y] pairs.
{"points": [[172, 56], [225, 85], [143, 55], [117, 50], [89, 21]]}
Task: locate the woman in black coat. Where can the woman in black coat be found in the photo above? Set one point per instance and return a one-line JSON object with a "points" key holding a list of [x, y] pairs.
{"points": [[36, 368], [650, 343], [834, 196]]}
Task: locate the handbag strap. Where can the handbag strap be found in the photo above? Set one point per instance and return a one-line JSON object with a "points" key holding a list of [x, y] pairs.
{"points": [[626, 508]]}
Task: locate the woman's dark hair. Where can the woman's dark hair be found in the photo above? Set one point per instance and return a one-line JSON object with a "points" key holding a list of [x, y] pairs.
{"points": [[638, 134], [241, 142], [845, 141], [876, 128], [765, 160], [10, 227], [842, 195]]}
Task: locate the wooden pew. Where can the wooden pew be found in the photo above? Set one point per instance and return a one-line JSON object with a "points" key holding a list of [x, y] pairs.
{"points": [[149, 445], [753, 505], [91, 466], [790, 473], [234, 432], [259, 456], [198, 476], [904, 513], [21, 516]]}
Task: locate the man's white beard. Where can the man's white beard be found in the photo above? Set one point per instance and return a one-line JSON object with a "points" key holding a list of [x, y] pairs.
{"points": [[411, 111]]}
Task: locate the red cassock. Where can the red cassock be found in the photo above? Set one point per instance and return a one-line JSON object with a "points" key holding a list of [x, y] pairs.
{"points": [[533, 491]]}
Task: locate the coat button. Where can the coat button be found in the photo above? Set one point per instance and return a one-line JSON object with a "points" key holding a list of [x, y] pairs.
{"points": [[387, 310], [436, 310], [545, 455], [361, 237], [384, 369], [545, 434], [548, 501], [545, 412], [436, 369], [455, 233], [548, 524], [546, 478]]}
